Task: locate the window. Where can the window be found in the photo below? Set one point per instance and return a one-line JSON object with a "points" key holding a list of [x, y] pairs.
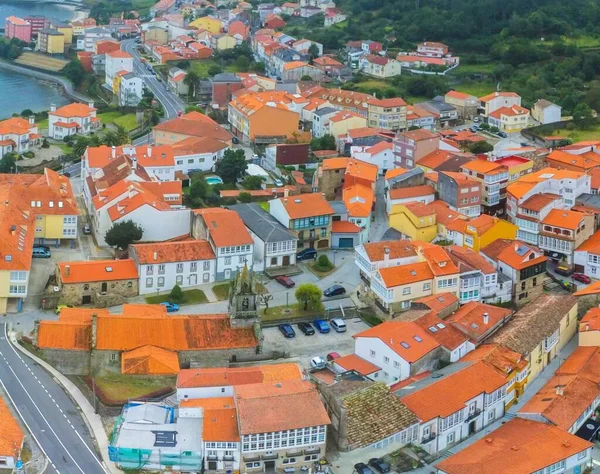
{"points": [[242, 259], [86, 287], [179, 268], [581, 455], [206, 265], [372, 353], [161, 269], [190, 161], [18, 276], [161, 282], [396, 364], [406, 291], [450, 438], [69, 232], [179, 280], [113, 357], [227, 260], [193, 266], [129, 284], [491, 415], [148, 282], [386, 360], [426, 286]]}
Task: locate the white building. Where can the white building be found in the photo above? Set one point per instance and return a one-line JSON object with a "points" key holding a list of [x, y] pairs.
{"points": [[194, 154], [91, 36], [320, 120], [274, 245], [161, 266], [72, 119], [380, 154], [453, 407], [545, 112], [229, 239], [130, 90], [116, 62], [370, 257]]}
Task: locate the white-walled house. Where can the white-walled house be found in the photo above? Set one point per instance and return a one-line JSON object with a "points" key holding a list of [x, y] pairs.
{"points": [[163, 265], [370, 257], [130, 90], [274, 245], [198, 154], [380, 154], [230, 240], [72, 119], [116, 61], [456, 405]]}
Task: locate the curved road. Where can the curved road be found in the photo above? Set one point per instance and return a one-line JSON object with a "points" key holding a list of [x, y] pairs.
{"points": [[49, 414]]}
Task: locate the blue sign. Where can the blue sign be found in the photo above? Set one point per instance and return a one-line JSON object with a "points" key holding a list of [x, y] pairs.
{"points": [[19, 464], [577, 470]]}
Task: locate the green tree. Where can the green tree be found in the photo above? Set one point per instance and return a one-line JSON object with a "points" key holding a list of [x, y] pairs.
{"points": [[313, 51], [176, 294], [122, 234], [481, 147], [323, 262], [199, 188], [232, 166], [308, 294], [583, 117], [214, 70], [252, 182], [27, 113], [121, 134], [245, 197], [80, 145], [74, 72], [242, 63], [110, 138], [192, 79], [306, 77], [326, 142], [193, 108], [8, 163]]}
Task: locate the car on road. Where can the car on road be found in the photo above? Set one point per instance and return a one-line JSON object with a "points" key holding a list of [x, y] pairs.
{"points": [[338, 325], [285, 281], [580, 277], [278, 183], [60, 307], [306, 254], [287, 331], [474, 129], [321, 326], [476, 119], [235, 140], [318, 362], [41, 253], [502, 134], [332, 356], [87, 230], [334, 290], [171, 307], [524, 144], [362, 468], [379, 465], [41, 246], [306, 329]]}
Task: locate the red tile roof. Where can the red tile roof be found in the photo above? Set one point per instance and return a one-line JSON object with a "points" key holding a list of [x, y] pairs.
{"points": [[87, 271], [225, 227], [164, 252], [235, 376], [354, 362]]}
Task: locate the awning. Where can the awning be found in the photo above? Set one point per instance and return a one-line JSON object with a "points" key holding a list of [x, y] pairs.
{"points": [[588, 430]]}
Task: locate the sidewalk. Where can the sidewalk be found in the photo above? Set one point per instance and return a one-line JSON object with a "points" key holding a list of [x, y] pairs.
{"points": [[92, 419]]}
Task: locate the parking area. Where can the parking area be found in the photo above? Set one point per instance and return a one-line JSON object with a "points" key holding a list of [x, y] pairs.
{"points": [[305, 348]]}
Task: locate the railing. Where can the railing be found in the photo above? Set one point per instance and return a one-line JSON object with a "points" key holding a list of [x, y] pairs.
{"points": [[428, 439], [473, 415]]}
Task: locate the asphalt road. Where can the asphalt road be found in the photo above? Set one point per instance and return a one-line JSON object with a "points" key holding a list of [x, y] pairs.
{"points": [[48, 413]]}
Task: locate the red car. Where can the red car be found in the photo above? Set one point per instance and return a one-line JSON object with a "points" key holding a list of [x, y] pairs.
{"points": [[581, 278], [285, 281]]}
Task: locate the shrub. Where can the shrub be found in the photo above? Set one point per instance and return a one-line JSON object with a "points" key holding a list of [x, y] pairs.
{"points": [[45, 143], [176, 294], [29, 154], [245, 197]]}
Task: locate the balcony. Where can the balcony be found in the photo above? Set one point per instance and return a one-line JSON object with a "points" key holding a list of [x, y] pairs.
{"points": [[228, 458], [312, 451], [428, 439], [270, 456], [473, 415], [251, 457]]}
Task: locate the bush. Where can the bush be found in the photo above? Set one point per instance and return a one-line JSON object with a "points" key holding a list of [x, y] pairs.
{"points": [[245, 197], [66, 139], [323, 264], [177, 294], [45, 143], [29, 154], [494, 129]]}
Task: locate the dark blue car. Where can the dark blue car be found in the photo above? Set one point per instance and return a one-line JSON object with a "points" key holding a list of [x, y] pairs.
{"points": [[287, 331], [321, 326]]}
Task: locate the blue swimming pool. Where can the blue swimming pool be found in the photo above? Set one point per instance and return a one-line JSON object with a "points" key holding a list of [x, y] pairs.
{"points": [[213, 180]]}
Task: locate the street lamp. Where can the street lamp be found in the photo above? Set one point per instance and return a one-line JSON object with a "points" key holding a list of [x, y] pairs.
{"points": [[334, 252]]}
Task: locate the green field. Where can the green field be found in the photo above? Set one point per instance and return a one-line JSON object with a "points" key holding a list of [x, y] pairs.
{"points": [[476, 88], [201, 67], [125, 387], [484, 68], [190, 297], [128, 122], [109, 117], [579, 135]]}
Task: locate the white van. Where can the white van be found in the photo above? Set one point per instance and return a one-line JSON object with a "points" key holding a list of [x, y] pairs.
{"points": [[338, 324]]}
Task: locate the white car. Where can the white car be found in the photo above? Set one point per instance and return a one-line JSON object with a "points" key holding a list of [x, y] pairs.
{"points": [[278, 183], [318, 362]]}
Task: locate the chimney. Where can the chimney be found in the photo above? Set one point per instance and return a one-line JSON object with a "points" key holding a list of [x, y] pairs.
{"points": [[560, 390], [286, 192], [516, 247], [155, 256], [32, 120], [134, 163], [285, 201], [131, 193], [149, 151], [67, 270], [91, 105], [52, 108], [486, 318], [386, 257], [114, 152]]}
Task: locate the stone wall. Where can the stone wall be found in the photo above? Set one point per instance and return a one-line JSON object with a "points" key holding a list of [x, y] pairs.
{"points": [[330, 181], [66, 361], [430, 362], [116, 291]]}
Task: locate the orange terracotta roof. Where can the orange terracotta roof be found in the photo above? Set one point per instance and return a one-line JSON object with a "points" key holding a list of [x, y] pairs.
{"points": [[418, 209], [590, 321], [359, 199], [461, 179], [220, 425], [503, 360], [397, 249], [592, 289], [272, 407], [470, 318], [354, 362], [391, 102], [146, 156], [164, 252], [538, 201], [528, 181], [11, 434], [149, 360], [585, 161], [193, 145], [406, 274], [306, 205], [493, 95], [73, 110], [15, 125], [564, 218], [514, 253], [452, 392], [355, 168], [195, 124], [459, 95], [592, 244], [482, 223], [471, 258], [97, 270], [438, 259], [484, 167], [119, 54], [516, 447], [64, 335], [435, 159], [195, 332], [235, 376], [418, 134], [512, 111], [294, 65], [439, 301], [216, 403], [445, 215], [406, 339], [445, 334], [378, 148], [80, 315], [225, 227], [344, 227], [412, 192], [343, 115]]}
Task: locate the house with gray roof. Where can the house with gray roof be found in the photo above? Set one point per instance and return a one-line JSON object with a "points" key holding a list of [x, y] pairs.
{"points": [[274, 245]]}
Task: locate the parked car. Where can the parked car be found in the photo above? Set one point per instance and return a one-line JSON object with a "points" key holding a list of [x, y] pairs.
{"points": [[321, 326], [564, 270], [41, 253], [278, 183], [306, 254], [379, 465], [60, 307], [476, 119], [338, 325], [502, 134], [334, 290], [306, 329], [318, 362], [580, 277], [362, 468], [474, 129], [287, 331], [87, 229], [285, 281], [41, 246], [524, 144], [332, 356], [171, 307], [567, 284], [235, 140]]}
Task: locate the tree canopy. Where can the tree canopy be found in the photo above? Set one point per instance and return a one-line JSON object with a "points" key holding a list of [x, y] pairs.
{"points": [[232, 166], [122, 234], [309, 295]]}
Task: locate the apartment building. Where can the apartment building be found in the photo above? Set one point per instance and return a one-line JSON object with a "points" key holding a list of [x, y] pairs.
{"points": [[372, 256], [587, 256], [453, 407], [509, 119], [116, 62], [478, 232], [15, 27], [562, 231], [411, 146], [465, 104], [460, 192], [496, 100], [388, 114], [50, 41]]}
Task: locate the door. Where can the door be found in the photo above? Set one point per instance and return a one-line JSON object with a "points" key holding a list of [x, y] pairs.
{"points": [[228, 274], [212, 465], [269, 466], [286, 260], [193, 279], [104, 287], [346, 242], [471, 428], [87, 299]]}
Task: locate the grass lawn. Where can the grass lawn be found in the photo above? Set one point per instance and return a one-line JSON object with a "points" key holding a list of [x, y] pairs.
{"points": [[484, 68], [265, 205], [190, 297], [294, 311], [42, 124], [476, 88], [109, 117], [201, 67], [578, 135], [64, 147], [221, 291], [584, 41], [321, 272], [125, 387], [128, 122]]}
